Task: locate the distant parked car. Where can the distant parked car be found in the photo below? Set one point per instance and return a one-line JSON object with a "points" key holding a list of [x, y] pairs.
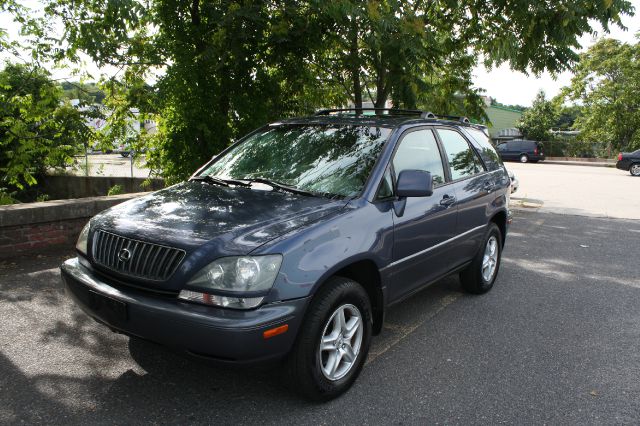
{"points": [[515, 183], [522, 150], [629, 161]]}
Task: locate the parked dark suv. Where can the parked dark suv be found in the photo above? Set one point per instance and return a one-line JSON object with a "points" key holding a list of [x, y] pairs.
{"points": [[522, 150], [292, 242]]}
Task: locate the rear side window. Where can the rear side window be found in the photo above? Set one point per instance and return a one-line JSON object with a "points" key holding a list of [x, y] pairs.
{"points": [[418, 150], [463, 161], [488, 154]]}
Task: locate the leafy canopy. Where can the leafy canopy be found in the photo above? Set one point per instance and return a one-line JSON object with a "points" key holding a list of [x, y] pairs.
{"points": [[607, 86], [37, 130], [224, 67]]}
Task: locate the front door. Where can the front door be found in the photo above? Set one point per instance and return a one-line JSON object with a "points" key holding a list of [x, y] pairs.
{"points": [[420, 253]]}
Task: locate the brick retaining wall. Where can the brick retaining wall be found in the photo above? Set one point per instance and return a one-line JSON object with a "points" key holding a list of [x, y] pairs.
{"points": [[32, 227]]}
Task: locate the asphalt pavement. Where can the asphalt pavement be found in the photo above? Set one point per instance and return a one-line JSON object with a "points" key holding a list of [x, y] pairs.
{"points": [[556, 341]]}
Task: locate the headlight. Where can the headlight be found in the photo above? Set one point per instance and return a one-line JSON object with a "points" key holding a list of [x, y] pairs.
{"points": [[81, 245], [236, 274]]}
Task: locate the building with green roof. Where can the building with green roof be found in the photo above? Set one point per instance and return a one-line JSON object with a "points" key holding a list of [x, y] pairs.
{"points": [[502, 119]]}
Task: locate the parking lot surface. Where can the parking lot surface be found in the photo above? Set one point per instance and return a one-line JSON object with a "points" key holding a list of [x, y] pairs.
{"points": [[578, 190], [556, 341]]}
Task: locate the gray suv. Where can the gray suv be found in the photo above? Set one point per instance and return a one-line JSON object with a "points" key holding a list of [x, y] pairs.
{"points": [[292, 243]]}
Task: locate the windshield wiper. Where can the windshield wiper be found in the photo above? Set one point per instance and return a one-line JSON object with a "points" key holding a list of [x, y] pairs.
{"points": [[217, 181], [280, 186]]}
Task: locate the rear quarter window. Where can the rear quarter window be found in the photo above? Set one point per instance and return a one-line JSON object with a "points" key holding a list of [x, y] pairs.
{"points": [[482, 144]]}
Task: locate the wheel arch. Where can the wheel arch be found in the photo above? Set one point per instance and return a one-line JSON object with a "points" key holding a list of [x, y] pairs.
{"points": [[500, 219], [366, 273]]}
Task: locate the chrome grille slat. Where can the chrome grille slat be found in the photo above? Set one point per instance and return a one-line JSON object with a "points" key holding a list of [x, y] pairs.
{"points": [[147, 261]]}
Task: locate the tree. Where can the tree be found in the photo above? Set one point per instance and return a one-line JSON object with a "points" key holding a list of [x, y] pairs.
{"points": [[229, 66], [537, 121], [37, 130], [607, 85]]}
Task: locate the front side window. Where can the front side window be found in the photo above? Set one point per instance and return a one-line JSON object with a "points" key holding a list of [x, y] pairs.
{"points": [[463, 162], [487, 152], [418, 150], [324, 159]]}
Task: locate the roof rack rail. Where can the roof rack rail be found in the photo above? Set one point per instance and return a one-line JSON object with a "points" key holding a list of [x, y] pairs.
{"points": [[389, 111], [393, 111]]}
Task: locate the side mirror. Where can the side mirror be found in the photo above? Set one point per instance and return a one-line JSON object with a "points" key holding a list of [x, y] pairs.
{"points": [[414, 183]]}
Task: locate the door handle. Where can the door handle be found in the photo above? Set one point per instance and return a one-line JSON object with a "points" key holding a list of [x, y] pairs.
{"points": [[488, 186], [447, 200]]}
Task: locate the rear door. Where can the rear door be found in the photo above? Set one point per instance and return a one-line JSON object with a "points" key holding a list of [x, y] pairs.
{"points": [[420, 252], [472, 186]]}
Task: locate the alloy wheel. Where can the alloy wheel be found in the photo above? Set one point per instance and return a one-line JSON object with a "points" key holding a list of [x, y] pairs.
{"points": [[340, 342], [490, 259], [635, 169]]}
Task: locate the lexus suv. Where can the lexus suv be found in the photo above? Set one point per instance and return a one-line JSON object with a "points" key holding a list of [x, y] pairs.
{"points": [[293, 242]]}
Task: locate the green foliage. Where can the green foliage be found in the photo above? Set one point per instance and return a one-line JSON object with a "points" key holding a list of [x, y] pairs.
{"points": [[42, 197], [6, 197], [37, 130], [537, 121], [607, 85], [115, 190], [88, 93], [228, 67]]}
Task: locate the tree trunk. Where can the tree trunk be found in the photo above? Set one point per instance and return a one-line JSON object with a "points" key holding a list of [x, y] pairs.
{"points": [[355, 67]]}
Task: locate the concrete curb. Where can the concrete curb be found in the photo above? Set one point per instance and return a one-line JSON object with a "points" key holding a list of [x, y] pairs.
{"points": [[578, 163]]}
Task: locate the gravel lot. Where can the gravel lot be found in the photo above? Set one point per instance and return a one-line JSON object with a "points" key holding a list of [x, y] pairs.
{"points": [[556, 341]]}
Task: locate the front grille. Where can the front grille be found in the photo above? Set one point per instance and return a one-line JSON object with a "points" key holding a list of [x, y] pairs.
{"points": [[135, 258]]}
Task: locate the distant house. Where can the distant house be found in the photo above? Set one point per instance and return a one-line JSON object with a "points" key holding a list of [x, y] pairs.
{"points": [[503, 122]]}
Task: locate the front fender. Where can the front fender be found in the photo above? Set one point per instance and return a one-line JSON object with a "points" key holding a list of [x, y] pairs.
{"points": [[364, 231]]}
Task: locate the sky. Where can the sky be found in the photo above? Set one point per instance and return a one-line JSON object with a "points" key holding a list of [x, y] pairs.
{"points": [[512, 87], [501, 83]]}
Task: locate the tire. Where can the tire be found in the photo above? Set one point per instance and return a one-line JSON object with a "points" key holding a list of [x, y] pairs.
{"points": [[125, 154], [309, 367], [473, 278], [524, 158], [635, 169]]}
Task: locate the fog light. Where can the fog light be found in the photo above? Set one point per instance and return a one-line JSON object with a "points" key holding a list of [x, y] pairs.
{"points": [[223, 301]]}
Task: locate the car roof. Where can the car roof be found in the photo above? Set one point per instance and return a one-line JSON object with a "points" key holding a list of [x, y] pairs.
{"points": [[389, 119]]}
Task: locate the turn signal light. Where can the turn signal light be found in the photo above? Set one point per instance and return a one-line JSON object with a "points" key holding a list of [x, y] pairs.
{"points": [[275, 331]]}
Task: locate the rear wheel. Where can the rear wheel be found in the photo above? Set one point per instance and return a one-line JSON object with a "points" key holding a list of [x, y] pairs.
{"points": [[333, 342], [635, 169], [479, 277], [524, 158]]}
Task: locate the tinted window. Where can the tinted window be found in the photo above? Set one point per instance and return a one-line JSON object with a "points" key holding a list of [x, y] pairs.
{"points": [[326, 159], [463, 161], [419, 151], [483, 144]]}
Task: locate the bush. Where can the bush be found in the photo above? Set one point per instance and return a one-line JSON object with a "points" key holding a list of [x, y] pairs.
{"points": [[115, 190]]}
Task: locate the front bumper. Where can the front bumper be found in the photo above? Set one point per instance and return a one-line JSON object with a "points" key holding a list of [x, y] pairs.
{"points": [[222, 334]]}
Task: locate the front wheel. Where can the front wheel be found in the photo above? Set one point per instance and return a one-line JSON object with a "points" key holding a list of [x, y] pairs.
{"points": [[524, 158], [635, 169], [333, 342], [479, 277]]}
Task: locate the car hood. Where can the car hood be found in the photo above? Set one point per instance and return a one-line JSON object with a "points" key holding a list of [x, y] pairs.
{"points": [[192, 214]]}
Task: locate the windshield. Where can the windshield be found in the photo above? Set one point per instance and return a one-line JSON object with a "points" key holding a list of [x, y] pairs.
{"points": [[323, 159]]}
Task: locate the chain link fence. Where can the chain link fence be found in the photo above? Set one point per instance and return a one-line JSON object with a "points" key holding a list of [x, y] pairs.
{"points": [[112, 164]]}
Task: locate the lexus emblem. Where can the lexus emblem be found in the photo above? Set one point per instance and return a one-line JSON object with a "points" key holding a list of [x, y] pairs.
{"points": [[124, 255]]}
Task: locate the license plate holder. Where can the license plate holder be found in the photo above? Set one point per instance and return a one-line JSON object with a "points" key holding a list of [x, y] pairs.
{"points": [[110, 308]]}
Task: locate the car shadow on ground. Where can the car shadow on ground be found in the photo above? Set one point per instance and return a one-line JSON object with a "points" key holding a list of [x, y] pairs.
{"points": [[557, 316]]}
